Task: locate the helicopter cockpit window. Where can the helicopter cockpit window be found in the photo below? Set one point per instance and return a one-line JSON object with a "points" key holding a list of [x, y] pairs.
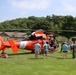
{"points": [[33, 37]]}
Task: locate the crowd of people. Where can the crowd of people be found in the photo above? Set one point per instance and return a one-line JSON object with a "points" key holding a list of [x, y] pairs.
{"points": [[47, 47], [65, 47]]}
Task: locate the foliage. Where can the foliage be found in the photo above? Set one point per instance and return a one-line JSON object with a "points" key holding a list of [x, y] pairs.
{"points": [[53, 22], [61, 38]]}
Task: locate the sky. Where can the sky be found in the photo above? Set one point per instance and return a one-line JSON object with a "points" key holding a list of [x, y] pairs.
{"points": [[12, 9]]}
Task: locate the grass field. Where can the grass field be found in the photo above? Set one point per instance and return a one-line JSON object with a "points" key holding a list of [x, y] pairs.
{"points": [[24, 63]]}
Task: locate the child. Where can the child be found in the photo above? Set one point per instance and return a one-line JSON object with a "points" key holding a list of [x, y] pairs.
{"points": [[3, 54]]}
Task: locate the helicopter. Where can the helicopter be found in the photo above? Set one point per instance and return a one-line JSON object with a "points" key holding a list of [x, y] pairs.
{"points": [[28, 43]]}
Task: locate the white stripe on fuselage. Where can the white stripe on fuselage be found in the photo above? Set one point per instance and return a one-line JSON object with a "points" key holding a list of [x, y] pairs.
{"points": [[23, 44]]}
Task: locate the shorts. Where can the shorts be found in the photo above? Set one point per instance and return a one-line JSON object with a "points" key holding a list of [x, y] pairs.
{"points": [[45, 52], [71, 48], [36, 52], [65, 51]]}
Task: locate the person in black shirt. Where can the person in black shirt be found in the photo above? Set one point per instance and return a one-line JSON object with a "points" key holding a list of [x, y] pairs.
{"points": [[74, 50]]}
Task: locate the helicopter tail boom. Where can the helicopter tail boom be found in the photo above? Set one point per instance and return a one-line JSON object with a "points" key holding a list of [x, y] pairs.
{"points": [[2, 44]]}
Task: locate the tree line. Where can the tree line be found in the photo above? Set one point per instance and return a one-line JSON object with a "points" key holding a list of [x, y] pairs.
{"points": [[54, 22]]}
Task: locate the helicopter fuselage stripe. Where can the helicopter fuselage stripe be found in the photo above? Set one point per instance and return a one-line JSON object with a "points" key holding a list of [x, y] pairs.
{"points": [[23, 44]]}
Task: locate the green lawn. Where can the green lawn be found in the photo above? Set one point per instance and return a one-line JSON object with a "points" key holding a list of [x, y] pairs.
{"points": [[24, 63]]}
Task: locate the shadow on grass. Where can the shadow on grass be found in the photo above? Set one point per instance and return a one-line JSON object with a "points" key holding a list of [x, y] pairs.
{"points": [[59, 57], [53, 56], [34, 58], [20, 53], [64, 58]]}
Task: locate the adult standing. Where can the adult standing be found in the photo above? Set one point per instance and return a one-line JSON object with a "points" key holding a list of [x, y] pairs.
{"points": [[65, 49], [74, 50], [46, 47], [71, 45], [37, 49]]}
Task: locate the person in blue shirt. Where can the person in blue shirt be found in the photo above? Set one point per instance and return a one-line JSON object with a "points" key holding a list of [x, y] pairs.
{"points": [[46, 47], [37, 49], [65, 49]]}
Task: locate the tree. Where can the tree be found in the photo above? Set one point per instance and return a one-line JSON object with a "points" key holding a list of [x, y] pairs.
{"points": [[68, 25]]}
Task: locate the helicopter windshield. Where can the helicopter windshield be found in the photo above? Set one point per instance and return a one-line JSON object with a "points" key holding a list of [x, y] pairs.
{"points": [[33, 37]]}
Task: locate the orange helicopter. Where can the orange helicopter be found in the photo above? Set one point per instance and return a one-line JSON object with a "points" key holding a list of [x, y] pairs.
{"points": [[27, 44]]}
